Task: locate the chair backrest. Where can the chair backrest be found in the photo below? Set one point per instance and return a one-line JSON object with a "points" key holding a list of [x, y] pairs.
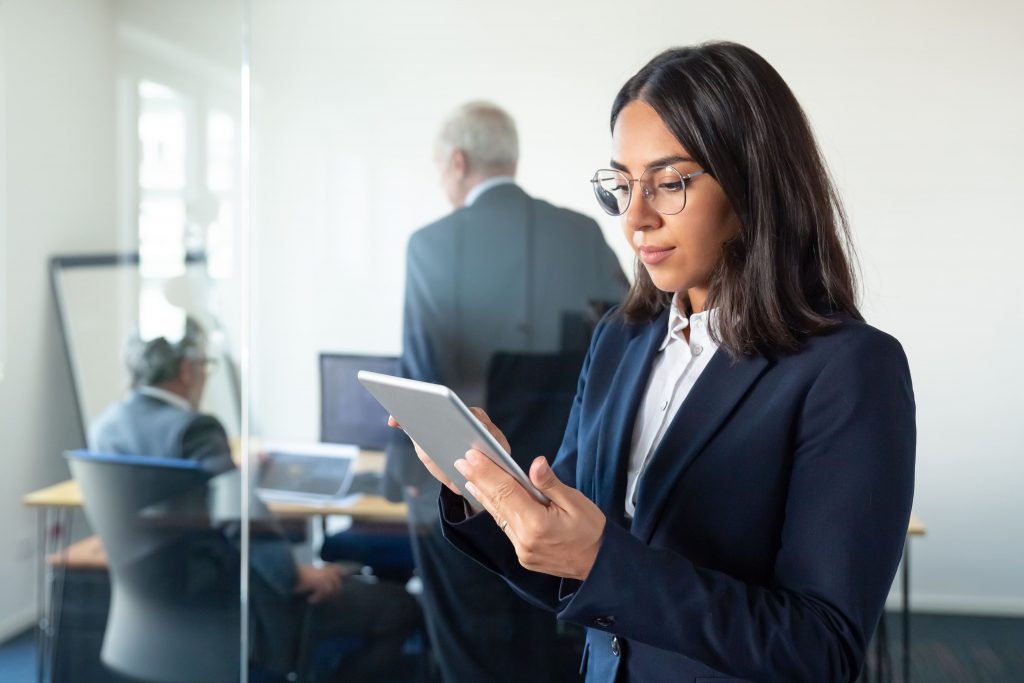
{"points": [[174, 612]]}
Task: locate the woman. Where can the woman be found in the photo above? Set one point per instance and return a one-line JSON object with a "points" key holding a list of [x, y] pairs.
{"points": [[732, 493]]}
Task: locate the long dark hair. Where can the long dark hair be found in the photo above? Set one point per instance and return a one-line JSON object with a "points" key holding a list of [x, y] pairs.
{"points": [[789, 268]]}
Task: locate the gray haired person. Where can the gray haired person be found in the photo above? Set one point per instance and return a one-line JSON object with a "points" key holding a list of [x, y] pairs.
{"points": [[160, 418], [499, 276]]}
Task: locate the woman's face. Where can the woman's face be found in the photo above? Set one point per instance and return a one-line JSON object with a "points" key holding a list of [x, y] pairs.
{"points": [[679, 251]]}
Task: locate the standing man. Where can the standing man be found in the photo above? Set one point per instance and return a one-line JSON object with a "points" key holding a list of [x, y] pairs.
{"points": [[500, 284]]}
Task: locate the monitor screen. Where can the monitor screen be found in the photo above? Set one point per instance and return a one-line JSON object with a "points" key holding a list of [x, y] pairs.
{"points": [[348, 413]]}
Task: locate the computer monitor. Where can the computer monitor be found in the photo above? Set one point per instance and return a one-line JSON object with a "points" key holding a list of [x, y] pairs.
{"points": [[348, 413]]}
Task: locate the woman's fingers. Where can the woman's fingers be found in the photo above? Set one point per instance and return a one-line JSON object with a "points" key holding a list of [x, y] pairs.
{"points": [[499, 493], [485, 420]]}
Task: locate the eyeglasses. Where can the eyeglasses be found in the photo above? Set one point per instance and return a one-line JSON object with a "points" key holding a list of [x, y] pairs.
{"points": [[663, 187]]}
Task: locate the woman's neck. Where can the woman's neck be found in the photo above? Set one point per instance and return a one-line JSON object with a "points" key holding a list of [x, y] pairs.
{"points": [[691, 301]]}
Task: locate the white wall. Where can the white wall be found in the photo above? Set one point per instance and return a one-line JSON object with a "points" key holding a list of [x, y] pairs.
{"points": [[918, 107], [59, 134]]}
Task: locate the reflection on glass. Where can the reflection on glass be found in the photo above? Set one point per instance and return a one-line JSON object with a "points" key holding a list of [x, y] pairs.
{"points": [[221, 173]]}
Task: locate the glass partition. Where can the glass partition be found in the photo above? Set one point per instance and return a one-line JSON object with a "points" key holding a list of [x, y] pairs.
{"points": [[151, 585]]}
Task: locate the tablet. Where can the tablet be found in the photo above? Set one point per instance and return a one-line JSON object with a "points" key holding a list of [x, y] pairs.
{"points": [[436, 419]]}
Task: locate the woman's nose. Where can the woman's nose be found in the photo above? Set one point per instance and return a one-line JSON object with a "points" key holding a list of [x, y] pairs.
{"points": [[639, 214]]}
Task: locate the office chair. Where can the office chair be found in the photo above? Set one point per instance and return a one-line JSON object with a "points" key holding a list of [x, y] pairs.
{"points": [[174, 607]]}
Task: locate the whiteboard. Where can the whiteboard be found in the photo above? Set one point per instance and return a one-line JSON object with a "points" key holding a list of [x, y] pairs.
{"points": [[98, 298]]}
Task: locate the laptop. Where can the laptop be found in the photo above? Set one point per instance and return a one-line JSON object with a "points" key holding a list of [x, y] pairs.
{"points": [[306, 473]]}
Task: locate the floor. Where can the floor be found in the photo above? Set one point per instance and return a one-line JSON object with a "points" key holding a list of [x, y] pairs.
{"points": [[946, 649], [959, 649]]}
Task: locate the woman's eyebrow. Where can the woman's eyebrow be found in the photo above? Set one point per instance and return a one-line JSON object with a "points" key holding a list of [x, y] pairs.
{"points": [[663, 161]]}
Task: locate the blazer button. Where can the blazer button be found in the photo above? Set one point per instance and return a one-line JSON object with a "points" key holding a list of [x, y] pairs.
{"points": [[604, 622], [616, 648]]}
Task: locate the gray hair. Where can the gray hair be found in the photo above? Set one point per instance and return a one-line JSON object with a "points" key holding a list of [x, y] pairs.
{"points": [[153, 362], [485, 133]]}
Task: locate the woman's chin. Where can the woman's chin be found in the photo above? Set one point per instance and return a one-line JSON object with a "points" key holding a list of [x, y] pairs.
{"points": [[667, 284]]}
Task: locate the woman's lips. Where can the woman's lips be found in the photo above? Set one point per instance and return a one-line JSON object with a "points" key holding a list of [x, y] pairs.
{"points": [[653, 255]]}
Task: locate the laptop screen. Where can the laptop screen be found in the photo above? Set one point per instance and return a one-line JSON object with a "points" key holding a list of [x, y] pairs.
{"points": [[348, 413], [292, 471]]}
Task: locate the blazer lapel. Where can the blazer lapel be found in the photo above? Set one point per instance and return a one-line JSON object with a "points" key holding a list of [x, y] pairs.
{"points": [[616, 431], [719, 388]]}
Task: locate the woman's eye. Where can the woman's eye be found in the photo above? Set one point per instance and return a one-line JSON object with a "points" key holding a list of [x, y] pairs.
{"points": [[674, 186]]}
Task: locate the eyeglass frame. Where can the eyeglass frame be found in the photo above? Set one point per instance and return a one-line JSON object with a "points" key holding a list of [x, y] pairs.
{"points": [[685, 178]]}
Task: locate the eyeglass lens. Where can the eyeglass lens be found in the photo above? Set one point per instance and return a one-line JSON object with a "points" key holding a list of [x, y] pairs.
{"points": [[662, 186]]}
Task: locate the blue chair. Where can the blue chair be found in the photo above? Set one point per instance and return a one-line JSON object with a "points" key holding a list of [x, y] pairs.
{"points": [[174, 608]]}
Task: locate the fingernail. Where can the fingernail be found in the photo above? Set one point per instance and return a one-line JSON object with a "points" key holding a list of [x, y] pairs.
{"points": [[473, 457], [461, 466], [472, 489], [543, 467]]}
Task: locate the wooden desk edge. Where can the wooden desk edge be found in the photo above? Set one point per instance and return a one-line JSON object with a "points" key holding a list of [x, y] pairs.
{"points": [[916, 526], [67, 494]]}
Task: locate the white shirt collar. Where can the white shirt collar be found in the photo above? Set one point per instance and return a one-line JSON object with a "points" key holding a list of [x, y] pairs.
{"points": [[701, 323], [166, 397], [485, 185]]}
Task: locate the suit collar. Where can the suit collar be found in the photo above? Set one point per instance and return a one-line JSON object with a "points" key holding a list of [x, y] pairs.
{"points": [[615, 436], [485, 186], [720, 387], [165, 396]]}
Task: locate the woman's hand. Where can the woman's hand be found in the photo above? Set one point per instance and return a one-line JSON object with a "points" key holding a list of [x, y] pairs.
{"points": [[561, 539]]}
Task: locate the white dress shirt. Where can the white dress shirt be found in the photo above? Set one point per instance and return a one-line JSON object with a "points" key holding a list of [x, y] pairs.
{"points": [[676, 369], [485, 185], [166, 397]]}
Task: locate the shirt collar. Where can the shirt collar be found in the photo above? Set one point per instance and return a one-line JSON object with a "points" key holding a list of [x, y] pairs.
{"points": [[167, 397], [485, 185], [677, 322]]}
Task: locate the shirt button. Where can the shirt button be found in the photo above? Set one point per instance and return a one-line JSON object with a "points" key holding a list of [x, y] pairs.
{"points": [[664, 405], [697, 349], [616, 648]]}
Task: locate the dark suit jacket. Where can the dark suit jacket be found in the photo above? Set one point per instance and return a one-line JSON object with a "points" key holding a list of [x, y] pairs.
{"points": [[770, 520], [507, 273], [144, 425]]}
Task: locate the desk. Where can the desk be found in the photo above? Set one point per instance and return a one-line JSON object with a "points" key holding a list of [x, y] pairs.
{"points": [[56, 505], [66, 495], [370, 508]]}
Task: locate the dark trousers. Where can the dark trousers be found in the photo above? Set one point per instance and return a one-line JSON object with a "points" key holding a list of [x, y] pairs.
{"points": [[382, 615], [480, 630]]}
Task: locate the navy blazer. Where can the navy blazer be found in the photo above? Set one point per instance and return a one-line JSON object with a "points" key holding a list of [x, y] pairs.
{"points": [[769, 523]]}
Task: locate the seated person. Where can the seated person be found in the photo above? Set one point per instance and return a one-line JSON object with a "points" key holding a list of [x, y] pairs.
{"points": [[160, 418]]}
